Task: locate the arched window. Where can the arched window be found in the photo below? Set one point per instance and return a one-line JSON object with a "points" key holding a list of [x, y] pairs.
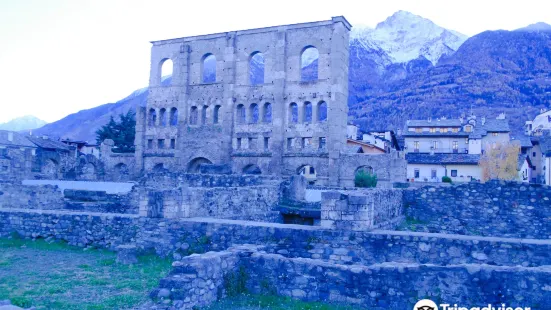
{"points": [[216, 114], [267, 113], [209, 69], [204, 115], [253, 112], [293, 113], [322, 111], [256, 68], [152, 117], [162, 117], [240, 114], [309, 64], [307, 116], [173, 117], [193, 116], [165, 68]]}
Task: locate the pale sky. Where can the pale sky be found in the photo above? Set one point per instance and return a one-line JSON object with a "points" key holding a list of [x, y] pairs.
{"points": [[61, 56]]}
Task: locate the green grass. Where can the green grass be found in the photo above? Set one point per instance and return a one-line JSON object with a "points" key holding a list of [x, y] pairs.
{"points": [[253, 302], [59, 276]]}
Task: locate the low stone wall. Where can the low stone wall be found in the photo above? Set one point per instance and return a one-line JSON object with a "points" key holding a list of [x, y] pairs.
{"points": [[361, 210], [186, 236], [199, 280], [506, 209], [30, 197], [100, 201], [252, 202]]}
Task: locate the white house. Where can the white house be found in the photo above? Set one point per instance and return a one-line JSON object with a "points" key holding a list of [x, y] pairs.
{"points": [[450, 147]]}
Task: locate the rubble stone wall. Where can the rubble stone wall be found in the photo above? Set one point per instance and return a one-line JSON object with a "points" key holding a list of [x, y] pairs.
{"points": [[504, 209]]}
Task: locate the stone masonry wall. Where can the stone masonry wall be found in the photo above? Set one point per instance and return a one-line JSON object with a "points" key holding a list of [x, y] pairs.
{"points": [[218, 202], [199, 280], [35, 197], [185, 236], [361, 210], [506, 209]]}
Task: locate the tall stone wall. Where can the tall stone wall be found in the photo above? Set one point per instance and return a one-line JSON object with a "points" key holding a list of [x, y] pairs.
{"points": [[389, 168], [507, 209]]}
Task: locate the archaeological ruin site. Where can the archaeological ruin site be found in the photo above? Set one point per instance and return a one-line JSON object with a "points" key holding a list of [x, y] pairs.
{"points": [[243, 178]]}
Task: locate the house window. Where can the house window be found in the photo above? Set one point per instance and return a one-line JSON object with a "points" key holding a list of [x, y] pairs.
{"points": [[468, 128], [455, 146], [322, 143], [433, 173], [266, 143], [416, 146], [434, 145], [454, 173], [172, 143], [467, 141], [418, 130], [416, 173], [238, 143], [534, 168], [432, 130], [455, 129], [534, 154], [161, 143], [149, 144], [494, 134], [442, 129]]}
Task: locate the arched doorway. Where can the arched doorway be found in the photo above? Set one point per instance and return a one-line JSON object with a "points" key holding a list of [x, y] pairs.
{"points": [[88, 172], [50, 169], [121, 172], [158, 168], [194, 164], [364, 169], [252, 169], [309, 172]]}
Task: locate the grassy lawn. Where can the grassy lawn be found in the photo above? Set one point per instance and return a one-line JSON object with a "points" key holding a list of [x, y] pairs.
{"points": [[253, 302], [58, 276]]}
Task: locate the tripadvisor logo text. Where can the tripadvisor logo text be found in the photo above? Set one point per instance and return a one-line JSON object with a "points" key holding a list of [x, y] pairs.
{"points": [[427, 304]]}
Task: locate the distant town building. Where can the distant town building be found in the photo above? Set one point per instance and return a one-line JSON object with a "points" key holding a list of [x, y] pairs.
{"points": [[450, 147], [540, 124], [84, 147]]}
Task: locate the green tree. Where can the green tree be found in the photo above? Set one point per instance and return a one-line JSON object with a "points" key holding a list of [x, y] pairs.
{"points": [[122, 132], [365, 179]]}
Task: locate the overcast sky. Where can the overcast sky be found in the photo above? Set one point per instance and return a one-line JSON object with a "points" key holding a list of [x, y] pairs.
{"points": [[61, 56]]}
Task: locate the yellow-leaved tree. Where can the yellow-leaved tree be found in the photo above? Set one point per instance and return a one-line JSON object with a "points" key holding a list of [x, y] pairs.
{"points": [[499, 162]]}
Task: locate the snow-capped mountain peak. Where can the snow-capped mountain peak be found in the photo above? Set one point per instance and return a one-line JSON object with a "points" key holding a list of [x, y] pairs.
{"points": [[27, 122], [405, 36]]}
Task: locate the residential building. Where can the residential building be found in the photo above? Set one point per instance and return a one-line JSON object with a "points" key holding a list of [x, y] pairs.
{"points": [[450, 147]]}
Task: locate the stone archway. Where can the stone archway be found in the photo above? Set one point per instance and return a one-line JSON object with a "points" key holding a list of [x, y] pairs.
{"points": [[50, 169], [89, 172], [252, 169], [121, 172], [309, 172], [194, 165], [158, 167]]}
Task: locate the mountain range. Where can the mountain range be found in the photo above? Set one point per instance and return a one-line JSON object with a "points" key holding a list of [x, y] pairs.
{"points": [[407, 67], [24, 123]]}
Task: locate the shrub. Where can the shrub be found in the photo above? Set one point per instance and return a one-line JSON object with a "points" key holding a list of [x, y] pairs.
{"points": [[446, 179], [364, 179]]}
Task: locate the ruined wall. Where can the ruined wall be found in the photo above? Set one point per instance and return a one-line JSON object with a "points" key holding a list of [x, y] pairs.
{"points": [[30, 197], [389, 168], [251, 202], [50, 197], [182, 237], [207, 128], [362, 210], [117, 167], [507, 209]]}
